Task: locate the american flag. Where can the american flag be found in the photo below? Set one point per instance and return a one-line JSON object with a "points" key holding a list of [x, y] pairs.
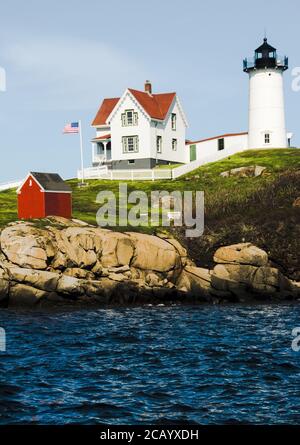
{"points": [[73, 127]]}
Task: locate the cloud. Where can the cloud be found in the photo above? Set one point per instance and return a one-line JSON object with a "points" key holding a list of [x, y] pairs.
{"points": [[64, 73]]}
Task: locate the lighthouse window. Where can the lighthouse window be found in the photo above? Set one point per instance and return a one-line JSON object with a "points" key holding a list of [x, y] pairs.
{"points": [[267, 138], [221, 144]]}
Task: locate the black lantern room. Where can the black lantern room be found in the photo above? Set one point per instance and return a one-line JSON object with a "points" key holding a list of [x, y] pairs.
{"points": [[265, 57]]}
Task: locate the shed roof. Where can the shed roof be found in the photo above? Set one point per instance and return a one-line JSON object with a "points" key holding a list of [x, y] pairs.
{"points": [[51, 182]]}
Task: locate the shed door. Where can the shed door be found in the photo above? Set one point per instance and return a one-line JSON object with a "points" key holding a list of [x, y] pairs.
{"points": [[193, 155]]}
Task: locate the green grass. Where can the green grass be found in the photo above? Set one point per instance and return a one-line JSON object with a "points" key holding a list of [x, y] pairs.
{"points": [[257, 210], [8, 207], [220, 193]]}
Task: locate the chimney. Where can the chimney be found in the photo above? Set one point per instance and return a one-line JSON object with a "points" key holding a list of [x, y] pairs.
{"points": [[148, 87]]}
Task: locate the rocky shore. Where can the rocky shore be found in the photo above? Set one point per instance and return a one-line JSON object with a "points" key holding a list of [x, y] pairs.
{"points": [[58, 261]]}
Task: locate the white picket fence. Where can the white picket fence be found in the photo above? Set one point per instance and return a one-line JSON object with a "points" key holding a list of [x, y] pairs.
{"points": [[154, 174], [9, 185], [125, 175]]}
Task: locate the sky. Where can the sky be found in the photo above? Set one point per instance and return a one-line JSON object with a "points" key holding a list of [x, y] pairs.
{"points": [[61, 58]]}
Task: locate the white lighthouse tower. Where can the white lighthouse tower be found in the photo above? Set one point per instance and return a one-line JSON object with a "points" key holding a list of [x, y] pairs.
{"points": [[266, 98]]}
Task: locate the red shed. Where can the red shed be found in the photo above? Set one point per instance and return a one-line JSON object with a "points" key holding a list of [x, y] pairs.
{"points": [[44, 194]]}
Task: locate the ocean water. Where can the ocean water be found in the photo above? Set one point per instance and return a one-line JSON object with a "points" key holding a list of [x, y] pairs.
{"points": [[151, 365]]}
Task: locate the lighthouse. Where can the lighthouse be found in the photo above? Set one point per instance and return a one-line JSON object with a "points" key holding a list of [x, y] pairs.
{"points": [[266, 98]]}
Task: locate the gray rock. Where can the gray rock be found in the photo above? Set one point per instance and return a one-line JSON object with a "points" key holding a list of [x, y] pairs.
{"points": [[23, 295], [70, 286], [244, 172], [243, 253], [39, 279], [120, 269], [153, 253], [117, 277]]}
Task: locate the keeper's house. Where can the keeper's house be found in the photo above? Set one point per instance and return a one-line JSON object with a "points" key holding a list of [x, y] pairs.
{"points": [[44, 194], [139, 131]]}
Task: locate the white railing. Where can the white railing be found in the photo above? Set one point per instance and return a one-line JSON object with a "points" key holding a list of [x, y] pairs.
{"points": [[101, 159], [125, 175], [10, 185], [93, 172], [102, 172]]}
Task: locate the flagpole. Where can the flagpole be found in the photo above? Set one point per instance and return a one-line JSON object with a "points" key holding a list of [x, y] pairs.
{"points": [[81, 153]]}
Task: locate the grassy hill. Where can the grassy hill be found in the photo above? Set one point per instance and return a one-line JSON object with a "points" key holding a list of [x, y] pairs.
{"points": [[258, 210]]}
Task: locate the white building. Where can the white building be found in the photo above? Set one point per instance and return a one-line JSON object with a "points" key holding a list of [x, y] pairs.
{"points": [[139, 131], [267, 127]]}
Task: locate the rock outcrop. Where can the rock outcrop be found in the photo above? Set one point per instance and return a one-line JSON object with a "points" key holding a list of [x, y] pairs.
{"points": [[296, 203], [242, 273], [58, 261], [251, 171]]}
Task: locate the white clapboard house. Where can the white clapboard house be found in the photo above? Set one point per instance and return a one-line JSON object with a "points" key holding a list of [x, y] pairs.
{"points": [[139, 131]]}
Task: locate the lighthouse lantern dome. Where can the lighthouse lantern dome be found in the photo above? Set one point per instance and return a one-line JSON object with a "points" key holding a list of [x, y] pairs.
{"points": [[265, 56]]}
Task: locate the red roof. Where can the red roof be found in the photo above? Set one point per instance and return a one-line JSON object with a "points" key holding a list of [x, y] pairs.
{"points": [[104, 111], [217, 137], [99, 138], [156, 105]]}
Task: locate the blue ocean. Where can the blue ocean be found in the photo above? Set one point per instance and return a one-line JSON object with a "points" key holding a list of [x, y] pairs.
{"points": [[230, 364]]}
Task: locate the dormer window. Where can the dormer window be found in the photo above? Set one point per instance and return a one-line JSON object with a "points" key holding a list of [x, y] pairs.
{"points": [[129, 118], [173, 121]]}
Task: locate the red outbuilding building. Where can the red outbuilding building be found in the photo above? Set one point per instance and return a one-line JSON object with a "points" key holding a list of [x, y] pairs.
{"points": [[44, 194]]}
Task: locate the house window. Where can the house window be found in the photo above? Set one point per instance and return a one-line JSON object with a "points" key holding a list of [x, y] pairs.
{"points": [[130, 144], [158, 144], [174, 144], [173, 120], [267, 138], [221, 144], [30, 183], [129, 118], [131, 161]]}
